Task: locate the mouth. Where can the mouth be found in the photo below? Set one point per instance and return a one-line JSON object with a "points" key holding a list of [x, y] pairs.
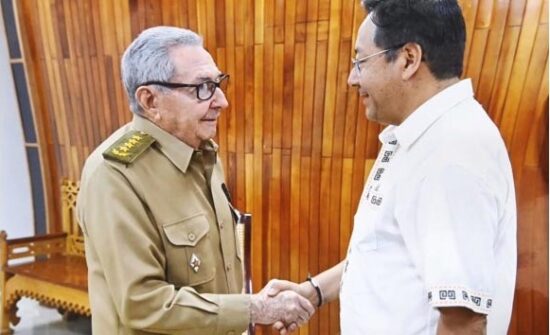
{"points": [[210, 119]]}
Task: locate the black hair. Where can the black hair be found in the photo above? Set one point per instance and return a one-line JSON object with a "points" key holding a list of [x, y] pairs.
{"points": [[436, 25]]}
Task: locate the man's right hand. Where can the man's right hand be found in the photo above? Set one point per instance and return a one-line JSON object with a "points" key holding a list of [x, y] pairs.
{"points": [[305, 289], [328, 282], [286, 307]]}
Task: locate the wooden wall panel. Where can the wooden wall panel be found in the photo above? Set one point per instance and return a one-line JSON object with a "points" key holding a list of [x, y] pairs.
{"points": [[295, 142]]}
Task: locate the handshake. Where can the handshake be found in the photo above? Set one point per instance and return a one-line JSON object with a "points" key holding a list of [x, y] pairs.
{"points": [[283, 304]]}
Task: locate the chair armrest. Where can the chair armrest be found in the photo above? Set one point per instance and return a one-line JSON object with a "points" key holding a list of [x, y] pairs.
{"points": [[41, 245]]}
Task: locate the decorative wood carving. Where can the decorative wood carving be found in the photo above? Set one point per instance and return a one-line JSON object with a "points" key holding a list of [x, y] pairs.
{"points": [[50, 268]]}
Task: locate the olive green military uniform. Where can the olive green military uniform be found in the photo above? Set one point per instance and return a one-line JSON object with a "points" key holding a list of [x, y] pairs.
{"points": [[161, 246]]}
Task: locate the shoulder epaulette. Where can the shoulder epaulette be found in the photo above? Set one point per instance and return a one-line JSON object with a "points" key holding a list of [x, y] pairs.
{"points": [[129, 147]]}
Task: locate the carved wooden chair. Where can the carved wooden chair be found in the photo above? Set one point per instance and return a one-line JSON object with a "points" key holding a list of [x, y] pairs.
{"points": [[49, 268]]}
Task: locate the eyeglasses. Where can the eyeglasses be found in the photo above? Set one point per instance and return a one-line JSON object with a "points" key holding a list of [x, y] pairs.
{"points": [[204, 90], [355, 61]]}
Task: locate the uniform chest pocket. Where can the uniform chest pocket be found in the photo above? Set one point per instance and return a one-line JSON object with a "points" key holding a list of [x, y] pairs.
{"points": [[189, 251]]}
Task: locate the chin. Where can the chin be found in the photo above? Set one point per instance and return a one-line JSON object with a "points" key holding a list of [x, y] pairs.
{"points": [[371, 115]]}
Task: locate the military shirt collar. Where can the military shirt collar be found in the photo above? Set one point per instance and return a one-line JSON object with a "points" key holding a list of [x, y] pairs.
{"points": [[178, 152]]}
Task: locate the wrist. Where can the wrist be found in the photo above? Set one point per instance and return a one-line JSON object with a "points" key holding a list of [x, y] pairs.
{"points": [[317, 295], [308, 291], [256, 304]]}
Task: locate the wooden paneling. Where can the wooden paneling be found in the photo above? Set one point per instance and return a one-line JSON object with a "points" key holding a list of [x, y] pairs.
{"points": [[295, 142]]}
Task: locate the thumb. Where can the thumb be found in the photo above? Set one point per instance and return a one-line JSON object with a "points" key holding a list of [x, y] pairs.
{"points": [[275, 286]]}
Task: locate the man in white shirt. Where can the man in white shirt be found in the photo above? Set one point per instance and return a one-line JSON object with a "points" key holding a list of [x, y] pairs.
{"points": [[433, 248]]}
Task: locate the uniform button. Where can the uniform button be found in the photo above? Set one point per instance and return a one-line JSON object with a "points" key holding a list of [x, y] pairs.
{"points": [[228, 267], [191, 237], [221, 225]]}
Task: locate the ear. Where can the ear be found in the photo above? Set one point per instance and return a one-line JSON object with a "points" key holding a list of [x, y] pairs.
{"points": [[147, 99], [412, 54]]}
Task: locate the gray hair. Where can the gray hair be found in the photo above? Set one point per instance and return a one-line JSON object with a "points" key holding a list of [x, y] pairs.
{"points": [[147, 58]]}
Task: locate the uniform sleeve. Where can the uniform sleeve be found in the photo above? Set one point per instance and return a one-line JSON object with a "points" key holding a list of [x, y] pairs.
{"points": [[456, 221], [128, 249]]}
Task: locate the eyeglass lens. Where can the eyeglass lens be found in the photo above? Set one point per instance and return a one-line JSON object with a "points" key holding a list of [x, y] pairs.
{"points": [[206, 90]]}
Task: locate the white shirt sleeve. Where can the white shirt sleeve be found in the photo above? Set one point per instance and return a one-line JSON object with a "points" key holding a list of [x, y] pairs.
{"points": [[456, 223]]}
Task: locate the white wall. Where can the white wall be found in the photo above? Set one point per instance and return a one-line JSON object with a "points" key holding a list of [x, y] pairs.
{"points": [[16, 212]]}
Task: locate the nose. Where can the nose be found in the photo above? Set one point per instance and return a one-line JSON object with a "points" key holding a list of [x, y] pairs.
{"points": [[353, 78], [220, 101]]}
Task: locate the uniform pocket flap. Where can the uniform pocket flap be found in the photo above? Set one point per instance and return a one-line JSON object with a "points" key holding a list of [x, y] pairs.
{"points": [[187, 232]]}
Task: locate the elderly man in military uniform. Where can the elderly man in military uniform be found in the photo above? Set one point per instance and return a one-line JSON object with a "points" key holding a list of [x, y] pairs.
{"points": [[160, 238]]}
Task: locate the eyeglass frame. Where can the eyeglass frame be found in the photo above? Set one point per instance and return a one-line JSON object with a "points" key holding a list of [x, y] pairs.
{"points": [[356, 61], [217, 84]]}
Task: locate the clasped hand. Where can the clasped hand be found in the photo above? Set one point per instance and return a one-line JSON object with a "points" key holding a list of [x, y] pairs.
{"points": [[282, 304]]}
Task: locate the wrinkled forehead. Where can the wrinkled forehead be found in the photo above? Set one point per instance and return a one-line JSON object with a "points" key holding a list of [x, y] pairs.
{"points": [[193, 64]]}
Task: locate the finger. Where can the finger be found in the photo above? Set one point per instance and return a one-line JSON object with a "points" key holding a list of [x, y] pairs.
{"points": [[302, 319], [272, 287], [292, 327], [306, 305], [278, 326], [286, 329]]}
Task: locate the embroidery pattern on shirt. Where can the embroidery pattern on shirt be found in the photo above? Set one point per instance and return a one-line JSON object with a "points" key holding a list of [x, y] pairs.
{"points": [[372, 194], [460, 296]]}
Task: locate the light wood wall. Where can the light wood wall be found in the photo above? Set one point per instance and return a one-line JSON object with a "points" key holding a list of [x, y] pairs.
{"points": [[295, 142]]}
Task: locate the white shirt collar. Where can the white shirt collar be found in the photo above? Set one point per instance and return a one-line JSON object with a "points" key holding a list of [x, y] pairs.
{"points": [[425, 115]]}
